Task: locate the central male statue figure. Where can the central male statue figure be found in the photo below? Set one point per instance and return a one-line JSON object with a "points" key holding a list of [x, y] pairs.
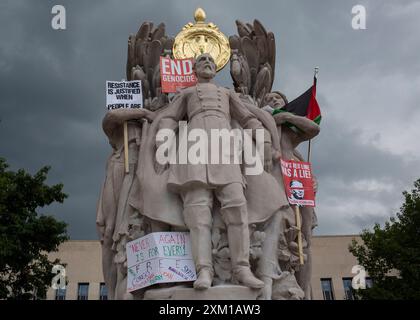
{"points": [[208, 107]]}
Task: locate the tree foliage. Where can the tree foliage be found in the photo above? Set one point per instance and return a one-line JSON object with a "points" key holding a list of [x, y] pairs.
{"points": [[26, 236], [391, 255]]}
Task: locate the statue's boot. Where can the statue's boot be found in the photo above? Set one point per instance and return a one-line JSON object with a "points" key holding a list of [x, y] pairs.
{"points": [[243, 275], [199, 220], [236, 219], [204, 279]]}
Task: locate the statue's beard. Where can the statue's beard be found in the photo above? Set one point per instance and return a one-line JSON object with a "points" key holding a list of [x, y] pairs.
{"points": [[207, 73]]}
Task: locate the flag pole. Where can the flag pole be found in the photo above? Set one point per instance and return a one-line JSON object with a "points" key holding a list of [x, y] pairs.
{"points": [[309, 150], [126, 164], [125, 132], [316, 71], [299, 227]]}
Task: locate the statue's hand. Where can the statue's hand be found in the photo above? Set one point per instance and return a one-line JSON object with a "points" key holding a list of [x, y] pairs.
{"points": [[276, 154], [149, 115], [159, 164], [158, 102], [282, 117], [154, 105], [159, 168], [268, 160]]}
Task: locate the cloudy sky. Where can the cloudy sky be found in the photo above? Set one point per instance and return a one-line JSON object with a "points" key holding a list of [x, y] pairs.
{"points": [[52, 93]]}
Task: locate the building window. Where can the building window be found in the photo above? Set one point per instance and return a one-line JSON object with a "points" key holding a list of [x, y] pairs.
{"points": [[83, 291], [60, 294], [327, 289], [103, 292], [348, 289]]}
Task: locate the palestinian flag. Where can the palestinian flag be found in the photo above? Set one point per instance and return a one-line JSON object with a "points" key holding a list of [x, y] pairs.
{"points": [[305, 105]]}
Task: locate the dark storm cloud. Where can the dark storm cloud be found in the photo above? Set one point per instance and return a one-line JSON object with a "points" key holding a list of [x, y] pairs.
{"points": [[359, 184], [52, 93]]}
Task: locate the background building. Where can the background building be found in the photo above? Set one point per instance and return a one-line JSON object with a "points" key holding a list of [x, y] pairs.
{"points": [[331, 274]]}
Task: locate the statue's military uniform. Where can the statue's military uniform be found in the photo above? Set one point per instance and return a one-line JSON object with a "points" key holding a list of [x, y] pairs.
{"points": [[209, 107]]}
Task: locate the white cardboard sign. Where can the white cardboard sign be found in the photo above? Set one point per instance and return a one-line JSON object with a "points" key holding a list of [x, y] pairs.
{"points": [[159, 257], [124, 94]]}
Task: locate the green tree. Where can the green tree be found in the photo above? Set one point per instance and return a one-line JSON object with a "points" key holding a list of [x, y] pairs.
{"points": [[25, 236], [391, 255]]}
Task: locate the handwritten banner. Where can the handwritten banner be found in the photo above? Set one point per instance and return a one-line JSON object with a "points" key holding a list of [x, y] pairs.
{"points": [[298, 183], [159, 257]]}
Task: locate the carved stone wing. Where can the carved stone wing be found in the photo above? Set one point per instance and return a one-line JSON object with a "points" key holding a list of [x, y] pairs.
{"points": [[143, 53], [253, 59]]}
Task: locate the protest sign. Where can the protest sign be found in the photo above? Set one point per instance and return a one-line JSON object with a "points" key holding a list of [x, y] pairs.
{"points": [[176, 74], [298, 184], [159, 257], [124, 94]]}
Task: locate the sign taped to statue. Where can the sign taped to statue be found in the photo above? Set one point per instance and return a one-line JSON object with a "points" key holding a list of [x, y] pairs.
{"points": [[124, 94], [298, 183], [176, 74], [159, 257]]}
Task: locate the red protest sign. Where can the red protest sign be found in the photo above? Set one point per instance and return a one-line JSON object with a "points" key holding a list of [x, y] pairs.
{"points": [[297, 178], [176, 74]]}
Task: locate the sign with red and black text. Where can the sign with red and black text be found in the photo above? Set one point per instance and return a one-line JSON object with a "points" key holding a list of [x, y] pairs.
{"points": [[176, 74], [298, 183]]}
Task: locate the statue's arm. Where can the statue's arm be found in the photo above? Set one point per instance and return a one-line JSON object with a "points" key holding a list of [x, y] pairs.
{"points": [[241, 113], [308, 129], [175, 112], [249, 121], [116, 117]]}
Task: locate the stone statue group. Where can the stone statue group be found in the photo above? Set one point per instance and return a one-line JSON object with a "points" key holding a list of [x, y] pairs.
{"points": [[242, 228]]}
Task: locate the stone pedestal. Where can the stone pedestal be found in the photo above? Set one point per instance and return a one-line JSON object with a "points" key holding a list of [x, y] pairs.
{"points": [[220, 292]]}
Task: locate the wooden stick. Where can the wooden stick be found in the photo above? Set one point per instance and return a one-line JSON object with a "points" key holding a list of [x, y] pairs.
{"points": [[309, 151], [127, 168], [299, 226]]}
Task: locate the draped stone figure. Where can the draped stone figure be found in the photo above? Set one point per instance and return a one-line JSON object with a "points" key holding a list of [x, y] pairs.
{"points": [[114, 214], [302, 129], [108, 221]]}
